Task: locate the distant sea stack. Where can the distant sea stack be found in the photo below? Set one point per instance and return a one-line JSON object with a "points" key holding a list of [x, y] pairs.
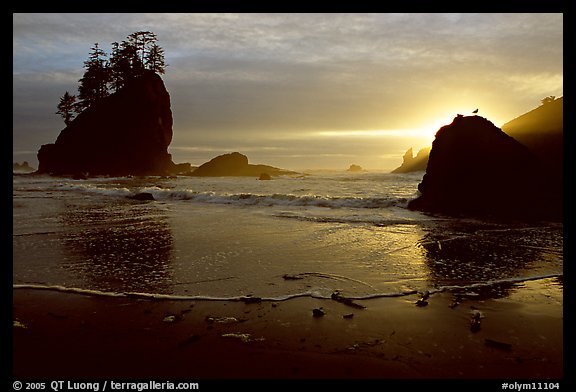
{"points": [[355, 168], [23, 167], [411, 163], [236, 164], [126, 133], [476, 169]]}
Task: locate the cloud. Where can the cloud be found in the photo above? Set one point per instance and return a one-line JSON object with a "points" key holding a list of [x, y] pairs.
{"points": [[235, 76]]}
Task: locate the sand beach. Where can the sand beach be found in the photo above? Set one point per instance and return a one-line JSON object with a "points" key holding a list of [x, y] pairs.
{"points": [[75, 336]]}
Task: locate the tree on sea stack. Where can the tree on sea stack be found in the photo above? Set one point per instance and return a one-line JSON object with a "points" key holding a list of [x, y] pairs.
{"points": [[106, 73], [155, 60], [94, 84], [124, 121], [67, 107]]}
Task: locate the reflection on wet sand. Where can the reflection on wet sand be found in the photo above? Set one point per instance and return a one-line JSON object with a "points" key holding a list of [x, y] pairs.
{"points": [[125, 246], [460, 256]]}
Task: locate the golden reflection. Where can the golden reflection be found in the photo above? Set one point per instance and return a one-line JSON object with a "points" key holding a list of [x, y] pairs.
{"points": [[124, 246]]}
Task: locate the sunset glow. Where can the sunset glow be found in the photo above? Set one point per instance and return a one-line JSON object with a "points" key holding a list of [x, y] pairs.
{"points": [[246, 196], [370, 85]]}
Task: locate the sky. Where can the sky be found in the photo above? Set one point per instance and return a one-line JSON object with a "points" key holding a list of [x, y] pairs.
{"points": [[300, 91]]}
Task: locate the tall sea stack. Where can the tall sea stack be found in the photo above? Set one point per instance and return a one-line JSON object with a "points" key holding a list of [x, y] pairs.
{"points": [[476, 169], [126, 133]]}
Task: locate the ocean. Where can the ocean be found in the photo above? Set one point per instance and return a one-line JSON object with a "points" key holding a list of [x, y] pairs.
{"points": [[238, 238]]}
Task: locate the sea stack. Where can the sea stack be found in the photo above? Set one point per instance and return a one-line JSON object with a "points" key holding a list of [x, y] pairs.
{"points": [[355, 168], [126, 133], [236, 165], [474, 168], [411, 163]]}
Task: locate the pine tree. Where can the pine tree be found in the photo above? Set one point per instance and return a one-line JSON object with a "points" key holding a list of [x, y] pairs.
{"points": [[142, 40], [67, 107], [94, 84], [155, 59], [128, 59], [117, 65]]}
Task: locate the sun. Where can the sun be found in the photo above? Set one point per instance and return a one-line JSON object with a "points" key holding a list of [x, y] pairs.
{"points": [[426, 129], [429, 126]]}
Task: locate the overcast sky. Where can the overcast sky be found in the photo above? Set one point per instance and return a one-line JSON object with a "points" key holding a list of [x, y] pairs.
{"points": [[300, 90]]}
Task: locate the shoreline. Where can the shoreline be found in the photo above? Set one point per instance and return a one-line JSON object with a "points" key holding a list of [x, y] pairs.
{"points": [[75, 336]]}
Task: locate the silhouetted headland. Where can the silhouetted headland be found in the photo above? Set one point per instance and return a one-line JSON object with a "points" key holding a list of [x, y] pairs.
{"points": [[236, 164], [476, 169], [411, 163], [126, 133], [542, 131]]}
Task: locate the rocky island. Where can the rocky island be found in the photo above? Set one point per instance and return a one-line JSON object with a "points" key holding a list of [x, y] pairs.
{"points": [[411, 163], [236, 164], [355, 168], [126, 133]]}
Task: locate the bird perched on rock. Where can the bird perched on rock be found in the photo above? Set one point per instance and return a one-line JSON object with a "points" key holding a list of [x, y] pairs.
{"points": [[475, 111]]}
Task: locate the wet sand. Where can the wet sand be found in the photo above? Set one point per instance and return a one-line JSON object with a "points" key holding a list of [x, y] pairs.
{"points": [[70, 336]]}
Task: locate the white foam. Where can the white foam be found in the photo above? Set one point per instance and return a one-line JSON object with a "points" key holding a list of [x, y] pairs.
{"points": [[170, 297], [88, 188], [244, 199], [318, 292], [277, 199]]}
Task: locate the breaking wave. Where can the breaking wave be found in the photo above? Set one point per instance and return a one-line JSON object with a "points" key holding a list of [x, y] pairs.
{"points": [[247, 199]]}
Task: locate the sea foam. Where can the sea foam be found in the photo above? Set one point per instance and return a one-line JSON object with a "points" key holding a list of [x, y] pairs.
{"points": [[317, 292]]}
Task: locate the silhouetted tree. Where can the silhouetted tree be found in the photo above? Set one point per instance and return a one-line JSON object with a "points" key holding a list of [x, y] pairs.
{"points": [[127, 60], [142, 40], [131, 57], [125, 64], [119, 65], [549, 99], [94, 84], [67, 107], [155, 59]]}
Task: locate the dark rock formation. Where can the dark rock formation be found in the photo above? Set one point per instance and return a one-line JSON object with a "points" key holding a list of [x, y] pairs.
{"points": [[355, 168], [264, 177], [142, 196], [542, 131], [476, 169], [183, 168], [224, 165], [235, 164], [126, 133], [412, 163]]}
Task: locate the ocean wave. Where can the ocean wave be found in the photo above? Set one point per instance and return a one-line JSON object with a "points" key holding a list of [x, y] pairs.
{"points": [[318, 292], [246, 199], [277, 199], [93, 189]]}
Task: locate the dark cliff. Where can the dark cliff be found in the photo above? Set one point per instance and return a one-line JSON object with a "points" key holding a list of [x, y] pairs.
{"points": [[126, 133], [542, 131]]}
